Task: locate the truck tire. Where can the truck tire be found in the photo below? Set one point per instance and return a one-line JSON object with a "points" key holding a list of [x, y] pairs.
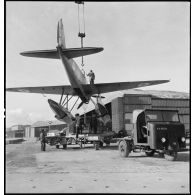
{"points": [[57, 146], [64, 146], [149, 152], [124, 148], [170, 155]]}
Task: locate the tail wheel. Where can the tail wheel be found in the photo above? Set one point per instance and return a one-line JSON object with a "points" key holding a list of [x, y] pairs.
{"points": [[124, 148], [170, 155]]}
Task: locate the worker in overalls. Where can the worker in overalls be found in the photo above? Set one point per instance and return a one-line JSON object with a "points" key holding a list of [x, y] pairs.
{"points": [[43, 140], [91, 76]]}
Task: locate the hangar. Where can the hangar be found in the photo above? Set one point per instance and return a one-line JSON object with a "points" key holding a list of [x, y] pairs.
{"points": [[121, 104]]}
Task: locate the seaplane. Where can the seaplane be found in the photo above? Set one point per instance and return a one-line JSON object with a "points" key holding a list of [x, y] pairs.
{"points": [[79, 86]]}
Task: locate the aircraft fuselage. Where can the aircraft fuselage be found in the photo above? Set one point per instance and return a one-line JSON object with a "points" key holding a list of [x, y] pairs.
{"points": [[75, 76]]}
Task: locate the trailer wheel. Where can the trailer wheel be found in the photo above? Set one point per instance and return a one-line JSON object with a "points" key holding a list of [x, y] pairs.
{"points": [[170, 155], [57, 146], [64, 146], [124, 148], [149, 152]]}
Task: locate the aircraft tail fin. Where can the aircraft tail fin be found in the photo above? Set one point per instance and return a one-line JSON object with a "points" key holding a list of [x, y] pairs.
{"points": [[60, 35]]}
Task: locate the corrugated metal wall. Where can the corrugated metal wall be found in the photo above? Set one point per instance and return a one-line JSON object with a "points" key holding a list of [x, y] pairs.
{"points": [[123, 107]]}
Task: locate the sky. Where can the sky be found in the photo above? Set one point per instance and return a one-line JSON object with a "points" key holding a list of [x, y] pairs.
{"points": [[141, 41]]}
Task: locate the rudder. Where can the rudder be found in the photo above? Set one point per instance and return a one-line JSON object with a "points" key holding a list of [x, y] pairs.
{"points": [[60, 35]]}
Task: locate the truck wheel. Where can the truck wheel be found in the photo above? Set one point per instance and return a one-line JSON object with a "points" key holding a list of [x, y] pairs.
{"points": [[96, 145], [64, 146], [170, 155], [124, 148], [57, 146], [149, 152]]}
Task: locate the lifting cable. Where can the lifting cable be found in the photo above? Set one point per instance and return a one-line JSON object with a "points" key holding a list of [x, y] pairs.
{"points": [[81, 25]]}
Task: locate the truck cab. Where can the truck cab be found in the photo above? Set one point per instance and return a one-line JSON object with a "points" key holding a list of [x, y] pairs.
{"points": [[157, 131]]}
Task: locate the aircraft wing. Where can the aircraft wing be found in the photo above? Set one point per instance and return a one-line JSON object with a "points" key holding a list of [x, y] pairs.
{"points": [[110, 87], [44, 89]]}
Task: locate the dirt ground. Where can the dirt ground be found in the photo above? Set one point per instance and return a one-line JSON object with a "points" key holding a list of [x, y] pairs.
{"points": [[29, 170]]}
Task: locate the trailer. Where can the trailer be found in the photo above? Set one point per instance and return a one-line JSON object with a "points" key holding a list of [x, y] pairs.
{"points": [[60, 138]]}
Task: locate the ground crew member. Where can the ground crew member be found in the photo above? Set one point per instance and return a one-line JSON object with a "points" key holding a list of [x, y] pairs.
{"points": [[43, 140], [91, 76], [93, 123], [77, 117]]}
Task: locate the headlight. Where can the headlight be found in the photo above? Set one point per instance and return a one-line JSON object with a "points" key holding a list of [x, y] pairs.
{"points": [[183, 139], [163, 139]]}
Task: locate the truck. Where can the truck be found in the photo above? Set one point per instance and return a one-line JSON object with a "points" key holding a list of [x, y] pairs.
{"points": [[153, 131], [57, 138]]}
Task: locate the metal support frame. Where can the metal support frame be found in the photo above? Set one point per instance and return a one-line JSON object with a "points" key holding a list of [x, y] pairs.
{"points": [[61, 96], [66, 100], [74, 104]]}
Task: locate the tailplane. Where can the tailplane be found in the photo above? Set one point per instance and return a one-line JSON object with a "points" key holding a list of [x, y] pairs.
{"points": [[68, 52], [60, 35]]}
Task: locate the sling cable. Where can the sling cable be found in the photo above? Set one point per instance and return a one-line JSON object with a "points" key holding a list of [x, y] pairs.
{"points": [[81, 24]]}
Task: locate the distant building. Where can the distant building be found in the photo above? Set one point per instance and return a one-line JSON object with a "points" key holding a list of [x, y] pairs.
{"points": [[32, 131], [17, 131]]}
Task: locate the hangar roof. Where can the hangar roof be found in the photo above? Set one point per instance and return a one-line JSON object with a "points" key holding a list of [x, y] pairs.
{"points": [[154, 93]]}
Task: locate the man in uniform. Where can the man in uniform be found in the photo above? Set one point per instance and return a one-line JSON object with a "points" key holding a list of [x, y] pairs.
{"points": [[91, 76], [43, 140]]}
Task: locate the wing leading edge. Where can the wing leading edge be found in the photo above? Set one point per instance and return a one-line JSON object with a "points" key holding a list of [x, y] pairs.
{"points": [[44, 89]]}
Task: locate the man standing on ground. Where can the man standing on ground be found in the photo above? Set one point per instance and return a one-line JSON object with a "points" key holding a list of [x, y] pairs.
{"points": [[91, 76], [77, 117], [43, 140]]}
